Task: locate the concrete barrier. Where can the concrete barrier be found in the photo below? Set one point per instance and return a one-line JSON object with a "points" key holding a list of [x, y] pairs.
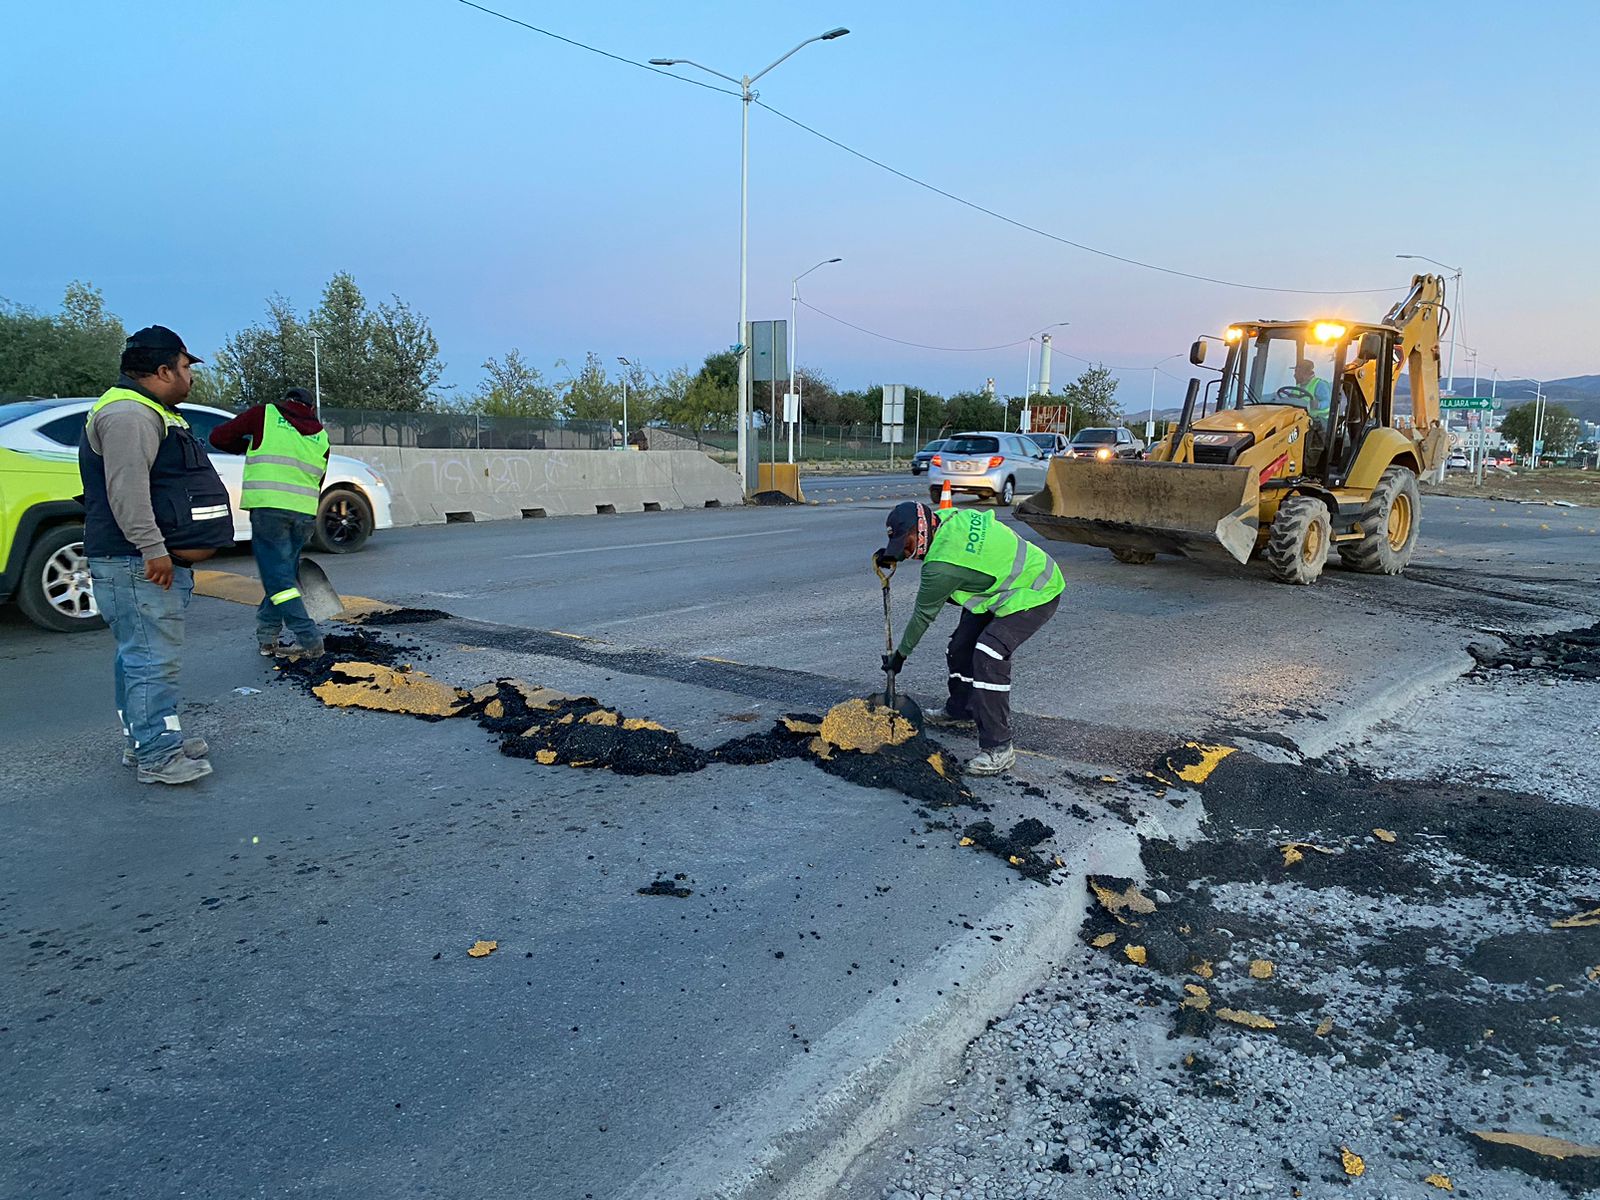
{"points": [[431, 487]]}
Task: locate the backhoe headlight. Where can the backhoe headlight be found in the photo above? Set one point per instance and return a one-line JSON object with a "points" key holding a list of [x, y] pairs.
{"points": [[1232, 334], [1328, 331]]}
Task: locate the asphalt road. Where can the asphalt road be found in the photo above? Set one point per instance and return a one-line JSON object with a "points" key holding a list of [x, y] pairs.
{"points": [[258, 986]]}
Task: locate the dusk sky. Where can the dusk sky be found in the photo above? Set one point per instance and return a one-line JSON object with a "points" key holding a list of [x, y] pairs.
{"points": [[191, 158]]}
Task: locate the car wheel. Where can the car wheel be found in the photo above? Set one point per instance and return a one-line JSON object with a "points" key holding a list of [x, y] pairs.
{"points": [[55, 592], [344, 522], [1008, 491], [936, 494]]}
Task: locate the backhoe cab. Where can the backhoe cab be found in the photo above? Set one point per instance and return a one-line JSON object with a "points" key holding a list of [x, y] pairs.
{"points": [[1296, 447]]}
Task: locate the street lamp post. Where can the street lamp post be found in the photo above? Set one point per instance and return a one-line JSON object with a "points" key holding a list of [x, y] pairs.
{"points": [[1455, 314], [794, 312], [1150, 421], [316, 369], [627, 366], [746, 95], [1537, 392]]}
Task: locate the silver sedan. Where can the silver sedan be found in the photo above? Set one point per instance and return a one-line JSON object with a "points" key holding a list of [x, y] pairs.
{"points": [[991, 465]]}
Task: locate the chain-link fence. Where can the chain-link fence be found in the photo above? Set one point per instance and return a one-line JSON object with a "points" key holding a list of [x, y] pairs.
{"points": [[463, 431]]}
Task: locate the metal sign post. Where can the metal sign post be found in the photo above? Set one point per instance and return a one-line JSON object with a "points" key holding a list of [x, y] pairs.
{"points": [[894, 417]]}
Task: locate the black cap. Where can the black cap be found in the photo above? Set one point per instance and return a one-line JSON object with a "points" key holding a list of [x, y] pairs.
{"points": [[910, 527], [298, 395], [159, 337]]}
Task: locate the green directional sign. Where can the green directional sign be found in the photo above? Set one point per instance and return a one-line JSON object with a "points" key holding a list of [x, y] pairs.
{"points": [[1482, 403]]}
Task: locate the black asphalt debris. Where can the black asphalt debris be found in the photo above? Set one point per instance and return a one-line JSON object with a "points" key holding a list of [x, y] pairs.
{"points": [[664, 886], [1574, 653], [1016, 848], [404, 616]]}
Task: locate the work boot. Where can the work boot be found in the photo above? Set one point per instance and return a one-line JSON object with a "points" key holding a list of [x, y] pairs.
{"points": [[994, 761], [180, 768], [268, 649], [945, 719], [194, 747], [297, 652]]}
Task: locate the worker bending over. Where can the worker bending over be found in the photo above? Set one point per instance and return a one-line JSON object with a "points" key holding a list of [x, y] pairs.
{"points": [[1007, 589]]}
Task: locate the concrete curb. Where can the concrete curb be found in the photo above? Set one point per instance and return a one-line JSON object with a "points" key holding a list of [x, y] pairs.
{"points": [[872, 1071], [1316, 739]]}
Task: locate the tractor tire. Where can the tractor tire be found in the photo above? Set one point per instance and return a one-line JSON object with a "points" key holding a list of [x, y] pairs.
{"points": [[1301, 534], [1388, 524], [1136, 557]]}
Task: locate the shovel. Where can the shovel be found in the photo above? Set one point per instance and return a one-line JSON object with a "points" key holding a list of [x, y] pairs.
{"points": [[316, 593], [904, 706]]}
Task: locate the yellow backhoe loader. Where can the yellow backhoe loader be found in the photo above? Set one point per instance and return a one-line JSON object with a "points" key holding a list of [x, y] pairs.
{"points": [[1300, 448]]}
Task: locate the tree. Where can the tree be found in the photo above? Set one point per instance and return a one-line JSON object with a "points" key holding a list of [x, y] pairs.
{"points": [[970, 410], [217, 388], [590, 394], [1560, 434], [403, 358], [72, 353], [1092, 398], [263, 361], [514, 389], [711, 397]]}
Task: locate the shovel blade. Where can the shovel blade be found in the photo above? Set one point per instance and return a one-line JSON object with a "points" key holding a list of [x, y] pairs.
{"points": [[905, 706], [316, 592]]}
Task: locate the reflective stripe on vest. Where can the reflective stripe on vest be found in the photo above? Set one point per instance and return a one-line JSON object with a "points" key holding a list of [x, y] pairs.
{"points": [[285, 469], [1024, 575]]}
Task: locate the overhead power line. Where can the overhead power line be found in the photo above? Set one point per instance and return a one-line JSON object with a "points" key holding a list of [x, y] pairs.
{"points": [[934, 188], [710, 87]]}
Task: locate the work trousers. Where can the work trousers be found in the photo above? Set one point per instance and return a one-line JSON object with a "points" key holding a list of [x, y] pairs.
{"points": [[147, 621], [276, 538], [979, 658]]}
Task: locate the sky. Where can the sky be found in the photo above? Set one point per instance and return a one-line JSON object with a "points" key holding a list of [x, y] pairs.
{"points": [[194, 157]]}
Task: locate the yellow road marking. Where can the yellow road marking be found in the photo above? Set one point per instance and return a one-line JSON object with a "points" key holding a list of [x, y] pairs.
{"points": [[246, 589]]}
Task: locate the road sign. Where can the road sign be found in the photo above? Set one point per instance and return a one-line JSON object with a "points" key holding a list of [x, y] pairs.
{"points": [[1483, 403], [769, 344]]}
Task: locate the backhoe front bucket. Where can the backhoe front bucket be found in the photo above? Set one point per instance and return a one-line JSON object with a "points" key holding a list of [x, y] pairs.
{"points": [[1152, 507]]}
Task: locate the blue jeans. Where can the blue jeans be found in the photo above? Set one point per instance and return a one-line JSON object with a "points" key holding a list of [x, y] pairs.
{"points": [[147, 622], [276, 538]]}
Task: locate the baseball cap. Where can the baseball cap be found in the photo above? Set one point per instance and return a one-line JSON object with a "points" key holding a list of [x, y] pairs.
{"points": [[159, 337], [909, 527]]}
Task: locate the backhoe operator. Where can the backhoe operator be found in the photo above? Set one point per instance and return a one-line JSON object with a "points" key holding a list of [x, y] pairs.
{"points": [[1317, 392]]}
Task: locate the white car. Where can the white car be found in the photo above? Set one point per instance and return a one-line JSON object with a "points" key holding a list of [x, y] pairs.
{"points": [[355, 498]]}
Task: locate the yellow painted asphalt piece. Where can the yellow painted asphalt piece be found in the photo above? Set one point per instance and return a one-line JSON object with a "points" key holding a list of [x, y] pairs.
{"points": [[384, 689], [1198, 998], [1545, 1147], [1130, 898], [1210, 756], [1249, 1019], [936, 761], [482, 949], [1104, 940], [1441, 1182], [1261, 968], [1383, 835], [1583, 920], [246, 589], [1136, 954], [1324, 1027], [857, 725], [1354, 1164]]}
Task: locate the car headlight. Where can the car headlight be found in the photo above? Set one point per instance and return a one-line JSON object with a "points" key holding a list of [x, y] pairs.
{"points": [[1102, 453]]}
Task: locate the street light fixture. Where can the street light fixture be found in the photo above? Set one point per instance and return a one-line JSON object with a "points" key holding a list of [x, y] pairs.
{"points": [[629, 365], [1537, 392], [744, 85], [794, 313], [1455, 314]]}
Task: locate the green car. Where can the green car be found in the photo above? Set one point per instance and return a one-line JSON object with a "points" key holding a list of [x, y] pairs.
{"points": [[42, 565]]}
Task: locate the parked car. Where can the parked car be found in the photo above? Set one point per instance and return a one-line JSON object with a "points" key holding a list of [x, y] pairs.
{"points": [[1457, 461], [1051, 443], [921, 459], [1105, 442], [42, 563], [988, 464]]}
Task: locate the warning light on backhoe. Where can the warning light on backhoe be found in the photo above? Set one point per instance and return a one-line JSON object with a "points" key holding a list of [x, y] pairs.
{"points": [[1328, 331], [1232, 334]]}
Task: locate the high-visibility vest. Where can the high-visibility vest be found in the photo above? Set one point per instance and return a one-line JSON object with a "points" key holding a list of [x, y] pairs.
{"points": [[1024, 575], [1317, 406], [285, 470]]}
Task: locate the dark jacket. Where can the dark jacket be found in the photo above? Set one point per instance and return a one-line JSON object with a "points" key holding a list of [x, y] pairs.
{"points": [[238, 435]]}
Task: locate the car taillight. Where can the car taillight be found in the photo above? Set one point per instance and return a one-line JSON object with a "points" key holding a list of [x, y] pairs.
{"points": [[937, 461], [997, 461]]}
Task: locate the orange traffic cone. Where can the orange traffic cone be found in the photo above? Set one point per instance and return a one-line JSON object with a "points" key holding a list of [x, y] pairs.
{"points": [[944, 497]]}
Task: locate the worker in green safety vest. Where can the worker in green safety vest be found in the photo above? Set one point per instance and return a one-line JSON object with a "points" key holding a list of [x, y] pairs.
{"points": [[1006, 587], [286, 456], [1317, 392]]}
